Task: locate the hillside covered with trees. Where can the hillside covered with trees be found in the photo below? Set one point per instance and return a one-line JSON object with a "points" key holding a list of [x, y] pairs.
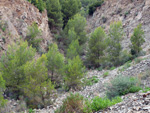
{"points": [[37, 77]]}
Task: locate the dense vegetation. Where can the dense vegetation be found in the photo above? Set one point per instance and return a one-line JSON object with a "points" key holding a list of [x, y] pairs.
{"points": [[26, 72]]}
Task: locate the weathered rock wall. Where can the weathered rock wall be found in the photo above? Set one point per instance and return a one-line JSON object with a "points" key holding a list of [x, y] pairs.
{"points": [[18, 15]]}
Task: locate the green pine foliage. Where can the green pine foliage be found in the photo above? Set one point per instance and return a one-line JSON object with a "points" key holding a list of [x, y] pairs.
{"points": [[75, 29], [37, 88], [54, 14], [74, 71], [32, 36], [114, 47], [137, 39], [40, 4], [55, 64], [97, 45], [12, 66], [69, 9], [73, 50], [2, 88]]}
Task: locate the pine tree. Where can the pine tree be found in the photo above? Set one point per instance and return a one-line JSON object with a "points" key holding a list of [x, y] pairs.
{"points": [[73, 50], [38, 88], [54, 14], [137, 39], [76, 26], [12, 66], [74, 71], [2, 88], [97, 45], [55, 64], [69, 9], [114, 47]]}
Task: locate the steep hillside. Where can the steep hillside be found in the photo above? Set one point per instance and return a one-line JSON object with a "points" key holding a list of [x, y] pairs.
{"points": [[17, 15], [130, 12]]}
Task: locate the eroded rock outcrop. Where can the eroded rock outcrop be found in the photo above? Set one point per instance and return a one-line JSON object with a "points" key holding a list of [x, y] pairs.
{"points": [[18, 15]]}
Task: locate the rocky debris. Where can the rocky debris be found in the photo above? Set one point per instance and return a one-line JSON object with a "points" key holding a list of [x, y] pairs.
{"points": [[18, 15], [132, 103], [138, 68], [130, 12]]}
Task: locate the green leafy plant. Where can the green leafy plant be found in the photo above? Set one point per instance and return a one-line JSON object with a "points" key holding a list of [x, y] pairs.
{"points": [[122, 85], [2, 88], [112, 68], [106, 74], [102, 103], [146, 89], [31, 110], [32, 36], [91, 81], [75, 103]]}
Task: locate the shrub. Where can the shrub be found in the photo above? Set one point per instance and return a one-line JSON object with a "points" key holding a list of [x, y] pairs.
{"points": [[31, 110], [134, 89], [121, 85], [93, 7], [2, 87], [146, 89], [91, 81], [102, 103], [112, 68], [75, 103], [32, 36], [106, 74], [125, 56], [3, 25]]}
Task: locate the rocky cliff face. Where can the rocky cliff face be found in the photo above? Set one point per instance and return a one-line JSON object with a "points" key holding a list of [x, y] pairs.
{"points": [[16, 16], [130, 12]]}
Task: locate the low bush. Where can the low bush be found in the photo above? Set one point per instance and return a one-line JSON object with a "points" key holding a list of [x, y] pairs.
{"points": [[106, 74], [102, 103], [75, 103], [122, 85], [112, 68], [146, 89], [90, 81]]}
